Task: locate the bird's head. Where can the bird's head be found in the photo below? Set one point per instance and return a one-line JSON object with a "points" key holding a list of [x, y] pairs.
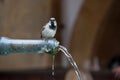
{"points": [[52, 23]]}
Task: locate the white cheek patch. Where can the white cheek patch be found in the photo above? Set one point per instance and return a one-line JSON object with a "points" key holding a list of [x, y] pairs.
{"points": [[55, 23], [49, 24]]}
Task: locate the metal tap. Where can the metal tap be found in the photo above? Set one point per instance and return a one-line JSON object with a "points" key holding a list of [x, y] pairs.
{"points": [[21, 46]]}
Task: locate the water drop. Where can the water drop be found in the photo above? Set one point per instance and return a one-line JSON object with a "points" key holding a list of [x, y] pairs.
{"points": [[53, 67]]}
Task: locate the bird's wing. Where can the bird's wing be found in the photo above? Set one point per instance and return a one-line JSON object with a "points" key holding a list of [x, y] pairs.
{"points": [[41, 31], [43, 28]]}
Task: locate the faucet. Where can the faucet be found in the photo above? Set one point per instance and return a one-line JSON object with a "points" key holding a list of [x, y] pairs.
{"points": [[8, 45]]}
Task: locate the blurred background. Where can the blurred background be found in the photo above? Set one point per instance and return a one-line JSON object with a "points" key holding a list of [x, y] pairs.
{"points": [[89, 29]]}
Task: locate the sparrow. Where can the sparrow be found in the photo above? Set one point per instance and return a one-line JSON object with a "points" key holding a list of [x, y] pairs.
{"points": [[49, 30]]}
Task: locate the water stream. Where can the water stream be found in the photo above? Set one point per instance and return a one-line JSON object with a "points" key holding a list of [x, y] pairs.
{"points": [[70, 59]]}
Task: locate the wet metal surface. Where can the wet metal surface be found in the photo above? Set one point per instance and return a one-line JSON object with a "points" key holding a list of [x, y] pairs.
{"points": [[8, 45]]}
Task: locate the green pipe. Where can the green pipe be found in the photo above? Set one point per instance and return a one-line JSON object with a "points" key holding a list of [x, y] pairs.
{"points": [[8, 46]]}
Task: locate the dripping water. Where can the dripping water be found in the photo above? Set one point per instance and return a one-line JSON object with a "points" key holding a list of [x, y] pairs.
{"points": [[53, 67], [73, 63]]}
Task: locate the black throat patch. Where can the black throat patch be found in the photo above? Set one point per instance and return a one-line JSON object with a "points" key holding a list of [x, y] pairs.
{"points": [[52, 26]]}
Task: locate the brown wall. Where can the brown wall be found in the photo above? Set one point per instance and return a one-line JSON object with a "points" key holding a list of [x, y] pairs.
{"points": [[107, 44], [86, 27], [24, 19]]}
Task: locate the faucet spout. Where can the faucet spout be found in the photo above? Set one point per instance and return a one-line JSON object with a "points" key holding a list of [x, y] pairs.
{"points": [[8, 46]]}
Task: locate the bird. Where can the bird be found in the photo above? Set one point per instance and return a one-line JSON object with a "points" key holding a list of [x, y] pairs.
{"points": [[49, 30]]}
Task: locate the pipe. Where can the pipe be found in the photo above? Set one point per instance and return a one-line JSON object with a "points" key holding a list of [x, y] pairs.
{"points": [[8, 46]]}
